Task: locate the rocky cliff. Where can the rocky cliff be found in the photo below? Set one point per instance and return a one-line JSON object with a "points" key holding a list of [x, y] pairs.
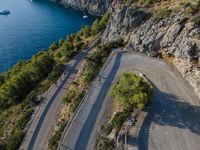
{"points": [[176, 39], [97, 7]]}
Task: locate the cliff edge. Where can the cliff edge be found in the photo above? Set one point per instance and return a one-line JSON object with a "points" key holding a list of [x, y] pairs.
{"points": [[167, 29]]}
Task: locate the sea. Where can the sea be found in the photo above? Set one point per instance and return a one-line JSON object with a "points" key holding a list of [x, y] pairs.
{"points": [[33, 25]]}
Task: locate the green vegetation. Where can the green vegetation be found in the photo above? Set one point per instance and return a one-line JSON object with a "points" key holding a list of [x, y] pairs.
{"points": [[131, 91], [21, 85], [162, 13], [105, 144], [106, 129], [192, 7], [165, 8], [91, 67], [13, 142], [19, 88], [97, 59], [100, 25], [119, 119], [141, 1], [115, 123], [54, 140], [196, 21]]}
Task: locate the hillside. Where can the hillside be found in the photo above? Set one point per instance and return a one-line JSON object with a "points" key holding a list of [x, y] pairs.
{"points": [[161, 28]]}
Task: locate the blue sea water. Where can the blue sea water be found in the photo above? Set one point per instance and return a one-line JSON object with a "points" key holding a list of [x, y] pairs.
{"points": [[33, 25]]}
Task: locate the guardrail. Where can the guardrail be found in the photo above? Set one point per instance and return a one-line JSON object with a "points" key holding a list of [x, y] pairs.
{"points": [[83, 99]]}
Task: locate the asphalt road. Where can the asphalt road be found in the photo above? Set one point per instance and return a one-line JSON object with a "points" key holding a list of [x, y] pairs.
{"points": [[172, 121], [48, 111]]}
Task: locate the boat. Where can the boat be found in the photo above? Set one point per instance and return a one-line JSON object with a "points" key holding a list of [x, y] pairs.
{"points": [[85, 16], [4, 12]]}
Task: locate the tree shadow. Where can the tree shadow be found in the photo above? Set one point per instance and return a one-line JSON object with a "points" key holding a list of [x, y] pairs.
{"points": [[168, 110]]}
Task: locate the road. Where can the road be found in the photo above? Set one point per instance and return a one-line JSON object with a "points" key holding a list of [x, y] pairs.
{"points": [[47, 113], [172, 121]]}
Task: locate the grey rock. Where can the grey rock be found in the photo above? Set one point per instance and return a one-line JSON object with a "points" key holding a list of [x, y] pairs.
{"points": [[174, 36], [123, 22], [171, 35], [97, 7]]}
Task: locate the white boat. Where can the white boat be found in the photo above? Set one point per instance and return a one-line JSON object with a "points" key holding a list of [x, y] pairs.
{"points": [[4, 12], [85, 16]]}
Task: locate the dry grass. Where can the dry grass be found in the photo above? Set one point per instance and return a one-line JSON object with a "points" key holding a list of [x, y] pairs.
{"points": [[8, 119], [183, 6]]}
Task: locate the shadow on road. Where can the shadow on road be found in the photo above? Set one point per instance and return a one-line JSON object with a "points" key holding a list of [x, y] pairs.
{"points": [[71, 70], [168, 110], [86, 131]]}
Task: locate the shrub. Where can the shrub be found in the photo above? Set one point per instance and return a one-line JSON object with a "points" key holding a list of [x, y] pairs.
{"points": [[100, 25], [192, 8], [106, 128], [54, 46], [2, 145], [56, 72], [19, 85], [61, 41], [119, 119], [105, 144], [14, 140], [86, 31], [162, 13], [23, 119], [76, 101], [131, 91], [54, 140], [197, 21], [70, 95]]}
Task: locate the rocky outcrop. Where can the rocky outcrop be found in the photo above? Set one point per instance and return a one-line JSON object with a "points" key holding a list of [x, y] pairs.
{"points": [[175, 37], [97, 7], [123, 22]]}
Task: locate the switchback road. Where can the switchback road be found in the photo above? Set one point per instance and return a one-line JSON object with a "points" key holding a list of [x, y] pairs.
{"points": [[47, 113], [172, 122]]}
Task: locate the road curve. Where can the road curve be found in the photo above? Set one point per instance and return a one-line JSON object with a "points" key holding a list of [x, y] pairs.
{"points": [[45, 118], [172, 123]]}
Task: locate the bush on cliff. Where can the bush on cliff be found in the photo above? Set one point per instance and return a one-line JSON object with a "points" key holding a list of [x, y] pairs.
{"points": [[20, 84], [100, 25], [131, 91], [162, 13]]}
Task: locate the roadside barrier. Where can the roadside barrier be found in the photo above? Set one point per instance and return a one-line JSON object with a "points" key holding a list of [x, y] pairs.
{"points": [[87, 93]]}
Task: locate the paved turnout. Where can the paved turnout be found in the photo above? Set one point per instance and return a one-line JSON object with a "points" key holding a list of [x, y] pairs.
{"points": [[48, 111], [172, 122]]}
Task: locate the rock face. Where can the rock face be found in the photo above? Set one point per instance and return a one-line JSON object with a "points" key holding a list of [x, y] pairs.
{"points": [[123, 22], [176, 37], [97, 7]]}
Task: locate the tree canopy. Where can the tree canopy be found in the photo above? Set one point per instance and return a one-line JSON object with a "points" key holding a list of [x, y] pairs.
{"points": [[131, 91]]}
